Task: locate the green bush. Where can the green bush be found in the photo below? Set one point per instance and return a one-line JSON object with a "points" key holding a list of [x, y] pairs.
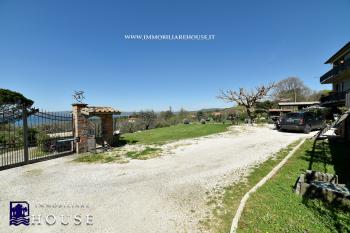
{"points": [[44, 141], [161, 124]]}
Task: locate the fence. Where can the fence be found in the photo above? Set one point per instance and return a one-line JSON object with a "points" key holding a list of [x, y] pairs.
{"points": [[28, 137]]}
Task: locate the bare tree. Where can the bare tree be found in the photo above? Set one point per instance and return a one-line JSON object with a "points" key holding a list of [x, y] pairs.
{"points": [[245, 98], [147, 118], [292, 89]]}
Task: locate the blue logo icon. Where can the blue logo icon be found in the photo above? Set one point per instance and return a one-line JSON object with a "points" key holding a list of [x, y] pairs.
{"points": [[19, 213]]}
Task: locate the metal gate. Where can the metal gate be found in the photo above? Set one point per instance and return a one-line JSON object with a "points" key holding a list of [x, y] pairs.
{"points": [[35, 136], [95, 128]]}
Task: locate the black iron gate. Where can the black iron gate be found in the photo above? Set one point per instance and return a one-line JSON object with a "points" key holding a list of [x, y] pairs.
{"points": [[95, 128], [35, 136]]}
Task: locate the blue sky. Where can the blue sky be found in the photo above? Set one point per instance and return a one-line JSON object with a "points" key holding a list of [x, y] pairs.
{"points": [[48, 49]]}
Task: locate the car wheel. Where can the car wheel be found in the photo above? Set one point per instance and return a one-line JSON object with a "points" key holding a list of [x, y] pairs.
{"points": [[307, 129]]}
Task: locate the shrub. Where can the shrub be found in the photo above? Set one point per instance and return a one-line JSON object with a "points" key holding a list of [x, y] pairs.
{"points": [[161, 124], [32, 136], [200, 115], [44, 141]]}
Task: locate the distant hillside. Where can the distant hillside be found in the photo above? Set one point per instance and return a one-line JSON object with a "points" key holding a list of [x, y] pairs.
{"points": [[210, 110]]}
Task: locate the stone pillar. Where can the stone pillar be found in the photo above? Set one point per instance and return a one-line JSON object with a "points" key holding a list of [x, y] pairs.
{"points": [[80, 128], [107, 128]]}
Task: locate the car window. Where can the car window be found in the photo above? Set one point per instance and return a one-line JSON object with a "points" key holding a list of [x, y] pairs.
{"points": [[294, 115]]}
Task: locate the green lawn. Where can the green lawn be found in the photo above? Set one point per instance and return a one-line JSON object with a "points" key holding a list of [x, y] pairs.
{"points": [[181, 131], [154, 136], [225, 203], [275, 208]]}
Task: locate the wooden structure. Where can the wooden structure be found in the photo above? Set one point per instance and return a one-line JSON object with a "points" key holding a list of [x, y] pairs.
{"points": [[295, 106]]}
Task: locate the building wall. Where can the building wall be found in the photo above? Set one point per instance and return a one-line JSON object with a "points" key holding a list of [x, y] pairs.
{"points": [[346, 82], [347, 57]]}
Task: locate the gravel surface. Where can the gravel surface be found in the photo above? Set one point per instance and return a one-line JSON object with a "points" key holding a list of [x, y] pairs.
{"points": [[164, 194]]}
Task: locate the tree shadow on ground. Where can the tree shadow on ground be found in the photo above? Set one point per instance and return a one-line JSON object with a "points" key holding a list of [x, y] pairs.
{"points": [[330, 153], [122, 142], [324, 155], [340, 153], [338, 214], [319, 155]]}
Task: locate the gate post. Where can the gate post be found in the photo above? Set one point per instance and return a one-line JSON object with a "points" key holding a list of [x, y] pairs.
{"points": [[107, 128], [25, 134], [80, 128]]}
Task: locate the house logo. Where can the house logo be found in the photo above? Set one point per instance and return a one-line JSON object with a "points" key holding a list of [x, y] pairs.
{"points": [[19, 213]]}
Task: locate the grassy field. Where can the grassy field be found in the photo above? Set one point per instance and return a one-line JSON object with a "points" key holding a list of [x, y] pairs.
{"points": [[181, 131], [275, 208], [152, 137]]}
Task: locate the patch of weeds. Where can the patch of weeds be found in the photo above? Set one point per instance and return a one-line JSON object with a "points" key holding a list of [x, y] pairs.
{"points": [[147, 153], [91, 158], [101, 158]]}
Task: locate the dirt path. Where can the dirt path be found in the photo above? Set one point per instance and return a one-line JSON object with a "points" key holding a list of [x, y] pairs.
{"points": [[164, 194]]}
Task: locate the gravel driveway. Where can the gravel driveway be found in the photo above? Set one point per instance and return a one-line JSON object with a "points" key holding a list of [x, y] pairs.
{"points": [[165, 194]]}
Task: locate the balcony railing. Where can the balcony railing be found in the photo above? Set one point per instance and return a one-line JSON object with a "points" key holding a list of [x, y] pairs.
{"points": [[334, 71], [335, 97]]}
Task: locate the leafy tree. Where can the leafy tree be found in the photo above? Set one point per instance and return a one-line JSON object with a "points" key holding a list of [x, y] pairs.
{"points": [[12, 104], [166, 115], [266, 105], [182, 114], [199, 115], [8, 97], [148, 118], [316, 95], [247, 99]]}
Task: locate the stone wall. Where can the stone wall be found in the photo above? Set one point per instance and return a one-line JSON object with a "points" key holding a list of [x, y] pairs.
{"points": [[107, 128], [80, 128]]}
